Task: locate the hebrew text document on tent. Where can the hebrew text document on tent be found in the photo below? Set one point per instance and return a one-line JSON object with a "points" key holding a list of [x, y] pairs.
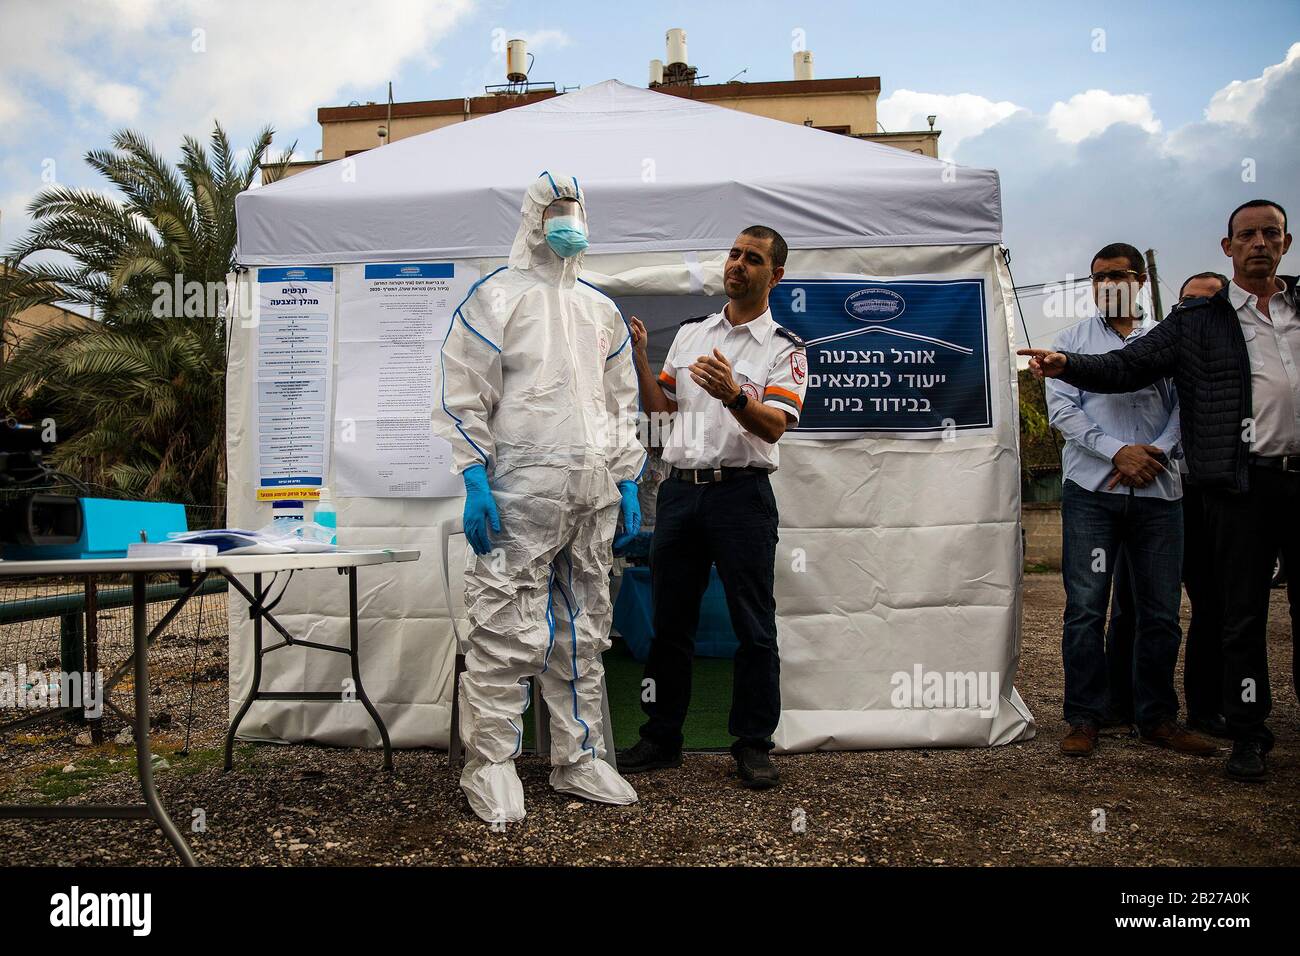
{"points": [[392, 320]]}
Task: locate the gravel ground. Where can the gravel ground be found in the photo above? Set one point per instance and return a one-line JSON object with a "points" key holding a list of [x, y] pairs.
{"points": [[193, 645], [1022, 804]]}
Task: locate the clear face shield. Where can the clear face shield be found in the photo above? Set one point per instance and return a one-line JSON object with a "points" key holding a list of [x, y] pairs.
{"points": [[565, 225]]}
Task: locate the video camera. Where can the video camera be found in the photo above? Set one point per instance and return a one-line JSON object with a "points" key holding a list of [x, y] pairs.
{"points": [[31, 514]]}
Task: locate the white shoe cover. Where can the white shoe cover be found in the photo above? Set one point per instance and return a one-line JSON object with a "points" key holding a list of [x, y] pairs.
{"points": [[493, 790], [593, 780]]}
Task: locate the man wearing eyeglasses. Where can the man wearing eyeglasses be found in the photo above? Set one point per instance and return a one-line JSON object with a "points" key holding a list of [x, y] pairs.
{"points": [[1119, 491], [1235, 359]]}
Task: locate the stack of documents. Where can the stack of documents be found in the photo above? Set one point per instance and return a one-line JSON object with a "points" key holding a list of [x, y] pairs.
{"points": [[311, 538]]}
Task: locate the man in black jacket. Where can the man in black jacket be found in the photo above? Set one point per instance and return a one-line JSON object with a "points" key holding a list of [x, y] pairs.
{"points": [[1202, 658], [1235, 360], [1203, 646]]}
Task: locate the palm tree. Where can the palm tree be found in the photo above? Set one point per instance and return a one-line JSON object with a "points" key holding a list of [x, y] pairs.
{"points": [[138, 394]]}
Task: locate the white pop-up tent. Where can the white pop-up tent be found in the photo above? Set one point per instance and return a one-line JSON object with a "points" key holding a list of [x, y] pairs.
{"points": [[899, 564]]}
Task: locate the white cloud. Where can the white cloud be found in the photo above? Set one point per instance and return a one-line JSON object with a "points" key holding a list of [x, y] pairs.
{"points": [[135, 14], [1237, 101], [1094, 111], [280, 63], [542, 39], [169, 68], [116, 102], [178, 65], [960, 116], [14, 221], [1065, 196], [10, 106]]}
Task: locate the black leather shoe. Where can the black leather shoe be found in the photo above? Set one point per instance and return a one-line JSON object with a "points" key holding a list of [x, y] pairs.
{"points": [[755, 768], [647, 755], [1247, 761], [1212, 726]]}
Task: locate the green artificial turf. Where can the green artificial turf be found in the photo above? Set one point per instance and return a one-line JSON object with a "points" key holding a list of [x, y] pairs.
{"points": [[706, 721]]}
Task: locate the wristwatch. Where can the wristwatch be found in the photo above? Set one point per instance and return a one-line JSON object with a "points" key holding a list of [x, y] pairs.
{"points": [[739, 402]]}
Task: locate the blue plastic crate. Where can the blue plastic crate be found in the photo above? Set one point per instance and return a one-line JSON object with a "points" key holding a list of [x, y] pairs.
{"points": [[633, 617]]}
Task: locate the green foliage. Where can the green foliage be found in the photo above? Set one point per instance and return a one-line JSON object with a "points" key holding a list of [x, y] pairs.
{"points": [[1038, 445], [137, 394]]}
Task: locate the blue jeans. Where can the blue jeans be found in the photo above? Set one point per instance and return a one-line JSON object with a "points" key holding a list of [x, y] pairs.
{"points": [[1095, 525]]}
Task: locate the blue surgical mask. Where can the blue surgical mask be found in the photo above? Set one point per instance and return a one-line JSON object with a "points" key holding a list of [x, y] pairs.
{"points": [[566, 236]]}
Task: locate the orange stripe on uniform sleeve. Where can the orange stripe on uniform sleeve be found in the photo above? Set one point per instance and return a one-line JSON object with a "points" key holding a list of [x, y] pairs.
{"points": [[783, 393]]}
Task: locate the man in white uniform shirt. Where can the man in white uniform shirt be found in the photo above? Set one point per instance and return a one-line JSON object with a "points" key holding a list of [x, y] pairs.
{"points": [[733, 382]]}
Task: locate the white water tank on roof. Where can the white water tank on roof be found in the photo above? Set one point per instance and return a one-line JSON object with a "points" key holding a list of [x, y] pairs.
{"points": [[676, 40], [803, 65], [517, 61]]}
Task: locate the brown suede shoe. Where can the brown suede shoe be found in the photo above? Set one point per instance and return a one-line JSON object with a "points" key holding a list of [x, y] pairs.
{"points": [[1173, 736], [1081, 741]]}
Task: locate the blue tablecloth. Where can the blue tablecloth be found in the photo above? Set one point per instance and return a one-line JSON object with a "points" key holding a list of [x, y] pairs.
{"points": [[632, 617]]}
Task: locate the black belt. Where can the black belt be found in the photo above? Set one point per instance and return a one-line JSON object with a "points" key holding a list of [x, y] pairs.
{"points": [[706, 476], [1279, 463]]}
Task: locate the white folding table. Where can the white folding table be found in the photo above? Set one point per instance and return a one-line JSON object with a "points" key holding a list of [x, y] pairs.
{"points": [[193, 571]]}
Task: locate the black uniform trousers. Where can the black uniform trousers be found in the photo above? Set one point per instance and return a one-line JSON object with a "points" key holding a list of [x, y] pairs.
{"points": [[1247, 530], [1203, 656], [731, 524]]}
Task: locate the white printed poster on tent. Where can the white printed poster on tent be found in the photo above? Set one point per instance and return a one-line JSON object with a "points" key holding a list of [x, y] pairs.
{"points": [[294, 329], [393, 318]]}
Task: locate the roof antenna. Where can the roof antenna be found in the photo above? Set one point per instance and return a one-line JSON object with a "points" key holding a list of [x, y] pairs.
{"points": [[733, 79]]}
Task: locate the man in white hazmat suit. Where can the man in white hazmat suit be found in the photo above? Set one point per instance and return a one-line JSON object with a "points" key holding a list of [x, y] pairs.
{"points": [[540, 402]]}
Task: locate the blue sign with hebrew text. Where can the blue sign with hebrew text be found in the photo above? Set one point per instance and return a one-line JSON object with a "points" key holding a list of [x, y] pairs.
{"points": [[908, 356]]}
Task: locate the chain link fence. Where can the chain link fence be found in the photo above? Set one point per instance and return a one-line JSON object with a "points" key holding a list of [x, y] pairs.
{"points": [[53, 628]]}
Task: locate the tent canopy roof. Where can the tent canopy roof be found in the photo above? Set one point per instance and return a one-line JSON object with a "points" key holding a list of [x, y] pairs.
{"points": [[661, 173]]}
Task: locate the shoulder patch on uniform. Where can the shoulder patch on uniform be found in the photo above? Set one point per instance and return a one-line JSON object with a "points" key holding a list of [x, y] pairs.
{"points": [[787, 334], [698, 318]]}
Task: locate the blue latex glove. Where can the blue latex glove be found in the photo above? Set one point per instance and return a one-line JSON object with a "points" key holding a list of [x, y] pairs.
{"points": [[480, 509], [631, 514]]}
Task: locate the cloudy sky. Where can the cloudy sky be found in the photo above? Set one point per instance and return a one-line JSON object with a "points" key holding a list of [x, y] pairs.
{"points": [[1138, 121]]}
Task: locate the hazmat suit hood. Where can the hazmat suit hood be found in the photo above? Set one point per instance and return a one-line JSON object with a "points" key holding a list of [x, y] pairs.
{"points": [[530, 250]]}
